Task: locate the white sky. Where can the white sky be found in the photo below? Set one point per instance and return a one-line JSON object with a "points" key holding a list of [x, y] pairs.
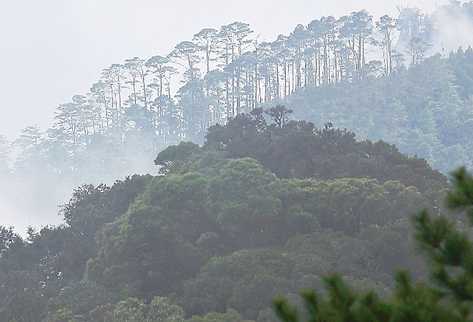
{"points": [[53, 49]]}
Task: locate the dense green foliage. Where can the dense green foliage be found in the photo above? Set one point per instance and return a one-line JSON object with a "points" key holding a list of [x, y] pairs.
{"points": [[449, 249], [262, 208], [300, 150]]}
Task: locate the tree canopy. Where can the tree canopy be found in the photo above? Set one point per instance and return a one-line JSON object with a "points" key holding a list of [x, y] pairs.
{"points": [[224, 228], [448, 297]]}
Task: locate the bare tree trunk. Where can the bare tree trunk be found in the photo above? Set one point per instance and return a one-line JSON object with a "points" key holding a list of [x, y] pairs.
{"points": [[207, 57], [112, 94], [326, 76], [390, 56], [133, 84], [233, 81], [238, 98], [285, 78], [306, 72], [227, 86], [161, 85], [145, 94], [256, 77], [119, 93], [360, 56], [293, 77], [277, 81], [335, 65], [247, 94], [315, 67]]}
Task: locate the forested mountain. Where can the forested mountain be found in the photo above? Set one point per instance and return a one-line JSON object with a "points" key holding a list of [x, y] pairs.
{"points": [[389, 78], [247, 200], [265, 206], [425, 110]]}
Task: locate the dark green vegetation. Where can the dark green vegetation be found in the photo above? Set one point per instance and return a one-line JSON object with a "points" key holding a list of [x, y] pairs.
{"points": [[262, 208], [449, 249]]}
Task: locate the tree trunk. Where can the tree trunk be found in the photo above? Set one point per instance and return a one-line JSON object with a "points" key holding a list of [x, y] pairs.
{"points": [[285, 78], [277, 81], [145, 94]]}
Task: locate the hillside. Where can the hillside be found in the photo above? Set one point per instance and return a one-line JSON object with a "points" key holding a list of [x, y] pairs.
{"points": [[386, 78], [425, 110], [224, 228]]}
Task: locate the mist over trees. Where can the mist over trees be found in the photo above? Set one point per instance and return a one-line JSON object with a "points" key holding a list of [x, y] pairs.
{"points": [[275, 164], [373, 76], [375, 67]]}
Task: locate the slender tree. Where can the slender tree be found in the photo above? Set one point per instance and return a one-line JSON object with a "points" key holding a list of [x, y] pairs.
{"points": [[186, 54], [207, 40]]}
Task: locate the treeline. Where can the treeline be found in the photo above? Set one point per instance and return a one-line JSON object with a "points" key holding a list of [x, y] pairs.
{"points": [[352, 71], [220, 73], [266, 206], [425, 110]]}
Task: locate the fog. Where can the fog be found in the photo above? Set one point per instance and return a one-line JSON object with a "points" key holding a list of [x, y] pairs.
{"points": [[456, 30], [52, 50]]}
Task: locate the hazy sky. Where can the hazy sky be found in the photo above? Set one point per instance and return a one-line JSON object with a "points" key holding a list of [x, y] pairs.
{"points": [[53, 49]]}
